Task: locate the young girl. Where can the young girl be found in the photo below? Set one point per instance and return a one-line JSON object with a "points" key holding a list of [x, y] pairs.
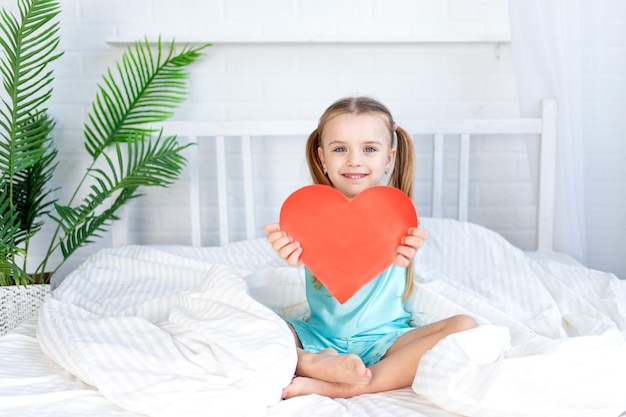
{"points": [[365, 345]]}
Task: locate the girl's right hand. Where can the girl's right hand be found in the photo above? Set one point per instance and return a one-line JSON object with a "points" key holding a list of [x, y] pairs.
{"points": [[283, 244]]}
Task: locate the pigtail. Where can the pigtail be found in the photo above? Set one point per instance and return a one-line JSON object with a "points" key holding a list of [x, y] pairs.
{"points": [[404, 166], [402, 178], [314, 163]]}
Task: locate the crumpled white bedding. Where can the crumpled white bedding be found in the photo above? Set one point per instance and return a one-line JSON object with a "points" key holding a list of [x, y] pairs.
{"points": [[165, 335], [166, 331], [552, 340]]}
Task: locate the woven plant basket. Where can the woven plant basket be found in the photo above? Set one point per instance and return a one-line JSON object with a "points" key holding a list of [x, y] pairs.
{"points": [[20, 303]]}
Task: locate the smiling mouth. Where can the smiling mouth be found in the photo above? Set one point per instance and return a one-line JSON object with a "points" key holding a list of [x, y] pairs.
{"points": [[354, 176]]}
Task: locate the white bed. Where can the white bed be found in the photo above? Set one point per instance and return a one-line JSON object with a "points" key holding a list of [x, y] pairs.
{"points": [[190, 330]]}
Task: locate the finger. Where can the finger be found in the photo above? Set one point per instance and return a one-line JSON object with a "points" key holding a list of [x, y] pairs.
{"points": [[269, 228], [414, 242], [406, 252], [414, 231], [278, 236], [291, 253], [294, 258], [279, 240], [401, 261]]}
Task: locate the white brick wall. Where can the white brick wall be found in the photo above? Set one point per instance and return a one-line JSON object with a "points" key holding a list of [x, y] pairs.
{"points": [[388, 49]]}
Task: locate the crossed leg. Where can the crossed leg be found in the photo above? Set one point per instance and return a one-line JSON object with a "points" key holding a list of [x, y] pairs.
{"points": [[342, 376], [330, 366]]}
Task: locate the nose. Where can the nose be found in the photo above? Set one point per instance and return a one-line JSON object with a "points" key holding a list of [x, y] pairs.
{"points": [[354, 159]]}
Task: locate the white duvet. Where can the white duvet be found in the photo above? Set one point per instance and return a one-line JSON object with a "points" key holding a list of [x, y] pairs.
{"points": [[186, 331], [552, 339], [165, 335]]}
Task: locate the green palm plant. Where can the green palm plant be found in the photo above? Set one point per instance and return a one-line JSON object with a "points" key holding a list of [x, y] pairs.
{"points": [[126, 151]]}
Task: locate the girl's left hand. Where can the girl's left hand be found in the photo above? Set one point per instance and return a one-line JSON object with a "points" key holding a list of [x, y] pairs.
{"points": [[410, 245]]}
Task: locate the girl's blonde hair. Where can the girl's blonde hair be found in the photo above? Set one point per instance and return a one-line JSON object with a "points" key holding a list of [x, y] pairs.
{"points": [[404, 165]]}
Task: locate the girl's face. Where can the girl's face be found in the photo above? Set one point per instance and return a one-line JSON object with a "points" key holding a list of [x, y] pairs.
{"points": [[356, 151]]}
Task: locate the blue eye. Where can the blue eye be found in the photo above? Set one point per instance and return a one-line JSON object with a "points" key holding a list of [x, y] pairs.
{"points": [[370, 149], [339, 149]]}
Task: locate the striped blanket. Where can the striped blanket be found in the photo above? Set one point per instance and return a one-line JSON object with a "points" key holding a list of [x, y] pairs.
{"points": [[165, 335]]}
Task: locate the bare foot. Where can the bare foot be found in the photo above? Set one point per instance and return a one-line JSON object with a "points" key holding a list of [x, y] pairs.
{"points": [[302, 385], [330, 366]]}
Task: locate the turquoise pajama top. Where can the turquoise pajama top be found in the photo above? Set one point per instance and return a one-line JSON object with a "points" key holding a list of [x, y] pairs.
{"points": [[367, 324]]}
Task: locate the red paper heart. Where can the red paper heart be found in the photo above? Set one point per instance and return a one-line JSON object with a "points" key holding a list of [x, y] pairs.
{"points": [[347, 243]]}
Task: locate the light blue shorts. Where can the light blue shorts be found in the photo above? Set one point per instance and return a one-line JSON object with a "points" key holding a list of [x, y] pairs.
{"points": [[370, 347]]}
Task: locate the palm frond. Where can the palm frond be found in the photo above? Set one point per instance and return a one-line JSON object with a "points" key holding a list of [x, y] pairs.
{"points": [[146, 163], [27, 157], [29, 45], [9, 220], [144, 90], [10, 231], [10, 272], [30, 192], [149, 163], [81, 225]]}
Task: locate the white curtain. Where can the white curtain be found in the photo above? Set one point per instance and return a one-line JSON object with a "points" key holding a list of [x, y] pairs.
{"points": [[546, 48]]}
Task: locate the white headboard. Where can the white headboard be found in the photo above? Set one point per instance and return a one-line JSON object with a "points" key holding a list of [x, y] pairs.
{"points": [[463, 131]]}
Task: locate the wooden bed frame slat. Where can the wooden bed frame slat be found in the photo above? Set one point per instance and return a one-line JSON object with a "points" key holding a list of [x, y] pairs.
{"points": [[440, 130]]}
